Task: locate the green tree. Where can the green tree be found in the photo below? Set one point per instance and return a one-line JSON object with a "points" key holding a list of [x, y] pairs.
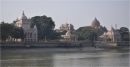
{"points": [[86, 33], [18, 33], [90, 33], [45, 26], [6, 30]]}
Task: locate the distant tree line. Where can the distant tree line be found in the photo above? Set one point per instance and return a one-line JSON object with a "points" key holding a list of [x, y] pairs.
{"points": [[89, 33]]}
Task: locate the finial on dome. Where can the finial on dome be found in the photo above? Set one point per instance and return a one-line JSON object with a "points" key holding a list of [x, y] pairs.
{"points": [[23, 13]]}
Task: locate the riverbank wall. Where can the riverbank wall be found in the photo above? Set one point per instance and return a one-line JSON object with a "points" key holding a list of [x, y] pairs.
{"points": [[119, 44], [45, 44], [78, 44]]}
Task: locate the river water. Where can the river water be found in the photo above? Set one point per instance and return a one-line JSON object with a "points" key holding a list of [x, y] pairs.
{"points": [[65, 57]]}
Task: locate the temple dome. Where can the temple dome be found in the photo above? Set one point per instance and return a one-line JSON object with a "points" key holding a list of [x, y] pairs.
{"points": [[95, 23]]}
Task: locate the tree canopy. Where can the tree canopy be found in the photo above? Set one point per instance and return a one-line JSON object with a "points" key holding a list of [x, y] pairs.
{"points": [[90, 33], [9, 30], [86, 33], [45, 26], [18, 33], [6, 30]]}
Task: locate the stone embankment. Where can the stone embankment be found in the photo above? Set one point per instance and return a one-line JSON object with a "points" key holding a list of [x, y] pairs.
{"points": [[45, 44], [78, 44]]}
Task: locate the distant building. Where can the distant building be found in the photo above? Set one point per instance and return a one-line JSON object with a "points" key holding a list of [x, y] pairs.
{"points": [[66, 27], [104, 34], [25, 23], [125, 35], [69, 32], [95, 23], [112, 35], [69, 36]]}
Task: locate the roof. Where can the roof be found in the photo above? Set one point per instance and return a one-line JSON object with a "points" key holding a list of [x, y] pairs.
{"points": [[95, 23]]}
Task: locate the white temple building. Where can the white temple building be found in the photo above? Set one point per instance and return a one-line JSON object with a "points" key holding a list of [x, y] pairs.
{"points": [[31, 34], [111, 35], [69, 35]]}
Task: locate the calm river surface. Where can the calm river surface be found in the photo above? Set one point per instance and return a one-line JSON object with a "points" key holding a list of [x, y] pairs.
{"points": [[57, 57]]}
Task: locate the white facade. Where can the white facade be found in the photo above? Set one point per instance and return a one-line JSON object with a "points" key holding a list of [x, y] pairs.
{"points": [[68, 36], [112, 35], [25, 23]]}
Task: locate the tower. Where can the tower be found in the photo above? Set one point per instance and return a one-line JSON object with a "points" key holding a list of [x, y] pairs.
{"points": [[30, 33], [23, 16]]}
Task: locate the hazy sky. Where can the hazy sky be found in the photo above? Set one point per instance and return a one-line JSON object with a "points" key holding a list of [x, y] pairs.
{"points": [[77, 12]]}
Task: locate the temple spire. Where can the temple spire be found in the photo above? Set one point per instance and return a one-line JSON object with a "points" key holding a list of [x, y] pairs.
{"points": [[23, 16], [95, 18], [23, 13]]}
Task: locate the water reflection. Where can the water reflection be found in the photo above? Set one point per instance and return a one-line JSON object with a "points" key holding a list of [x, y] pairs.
{"points": [[112, 58], [63, 58], [26, 59]]}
